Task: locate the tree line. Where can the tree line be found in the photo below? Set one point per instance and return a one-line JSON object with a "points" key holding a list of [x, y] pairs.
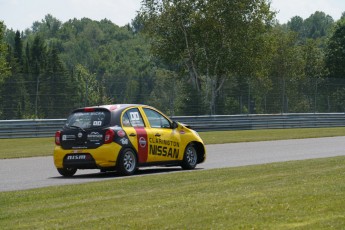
{"points": [[184, 57]]}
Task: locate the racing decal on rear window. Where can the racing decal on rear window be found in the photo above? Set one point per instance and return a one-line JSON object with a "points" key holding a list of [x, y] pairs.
{"points": [[86, 120], [97, 123]]}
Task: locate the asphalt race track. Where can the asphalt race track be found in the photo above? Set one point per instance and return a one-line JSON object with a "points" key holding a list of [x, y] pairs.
{"points": [[27, 173]]}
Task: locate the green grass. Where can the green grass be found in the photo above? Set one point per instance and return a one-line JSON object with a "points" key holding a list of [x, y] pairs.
{"points": [[32, 147], [26, 147], [292, 195], [221, 137]]}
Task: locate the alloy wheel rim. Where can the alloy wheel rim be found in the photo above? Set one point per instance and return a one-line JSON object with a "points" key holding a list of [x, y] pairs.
{"points": [[129, 163], [191, 156]]}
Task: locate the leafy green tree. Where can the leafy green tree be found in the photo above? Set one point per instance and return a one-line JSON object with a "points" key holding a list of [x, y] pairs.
{"points": [[86, 88], [55, 87], [18, 48], [137, 24], [286, 72], [206, 57], [168, 94], [315, 72], [4, 68], [296, 24], [37, 66], [318, 25], [335, 55], [15, 103], [210, 39], [335, 59], [48, 27]]}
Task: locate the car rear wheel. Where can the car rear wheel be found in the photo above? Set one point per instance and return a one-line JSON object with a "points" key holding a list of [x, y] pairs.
{"points": [[127, 162], [67, 172], [190, 158]]}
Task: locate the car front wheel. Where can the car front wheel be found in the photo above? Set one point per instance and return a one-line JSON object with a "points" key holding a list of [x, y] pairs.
{"points": [[67, 172], [127, 162], [190, 158]]}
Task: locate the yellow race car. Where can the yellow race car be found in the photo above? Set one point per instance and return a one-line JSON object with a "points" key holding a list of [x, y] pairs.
{"points": [[123, 137]]}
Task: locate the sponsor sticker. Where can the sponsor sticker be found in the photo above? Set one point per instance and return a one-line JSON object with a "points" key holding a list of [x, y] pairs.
{"points": [[68, 137], [121, 133], [94, 136], [114, 107], [78, 151], [124, 141], [142, 142], [76, 157]]}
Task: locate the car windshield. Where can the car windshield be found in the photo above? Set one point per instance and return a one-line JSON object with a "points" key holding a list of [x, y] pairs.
{"points": [[88, 120]]}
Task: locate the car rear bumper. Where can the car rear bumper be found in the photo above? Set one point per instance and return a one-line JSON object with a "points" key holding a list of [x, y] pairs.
{"points": [[104, 156]]}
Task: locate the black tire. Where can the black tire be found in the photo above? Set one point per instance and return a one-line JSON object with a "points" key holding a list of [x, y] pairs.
{"points": [[67, 172], [127, 162], [190, 158]]}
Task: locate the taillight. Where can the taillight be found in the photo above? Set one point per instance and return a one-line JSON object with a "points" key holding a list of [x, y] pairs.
{"points": [[109, 136], [57, 138], [89, 109]]}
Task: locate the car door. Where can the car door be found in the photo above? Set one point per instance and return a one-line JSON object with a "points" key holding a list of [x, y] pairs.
{"points": [[133, 124], [164, 142]]}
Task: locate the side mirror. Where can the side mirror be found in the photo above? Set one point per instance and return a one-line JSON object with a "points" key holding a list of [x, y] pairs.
{"points": [[174, 125]]}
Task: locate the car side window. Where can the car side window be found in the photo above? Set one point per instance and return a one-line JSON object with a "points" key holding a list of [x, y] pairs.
{"points": [[132, 118], [125, 120], [156, 119]]}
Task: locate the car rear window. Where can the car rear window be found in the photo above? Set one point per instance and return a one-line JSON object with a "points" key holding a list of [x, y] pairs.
{"points": [[88, 120]]}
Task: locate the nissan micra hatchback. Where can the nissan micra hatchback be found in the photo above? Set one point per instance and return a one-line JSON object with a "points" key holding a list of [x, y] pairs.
{"points": [[122, 138]]}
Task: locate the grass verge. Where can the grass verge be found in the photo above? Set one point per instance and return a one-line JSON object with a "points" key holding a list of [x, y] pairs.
{"points": [[32, 147], [26, 147], [301, 194], [221, 137]]}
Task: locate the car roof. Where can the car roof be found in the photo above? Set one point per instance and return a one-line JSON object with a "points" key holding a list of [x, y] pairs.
{"points": [[111, 107], [114, 108]]}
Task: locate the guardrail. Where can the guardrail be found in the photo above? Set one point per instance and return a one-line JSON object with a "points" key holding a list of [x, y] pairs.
{"points": [[267, 121], [48, 127], [30, 128]]}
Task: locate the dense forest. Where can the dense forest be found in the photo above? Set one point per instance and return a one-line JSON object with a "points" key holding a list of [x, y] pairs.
{"points": [[193, 57]]}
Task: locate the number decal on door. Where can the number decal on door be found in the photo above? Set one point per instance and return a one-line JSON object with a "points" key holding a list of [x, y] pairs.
{"points": [[134, 116]]}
